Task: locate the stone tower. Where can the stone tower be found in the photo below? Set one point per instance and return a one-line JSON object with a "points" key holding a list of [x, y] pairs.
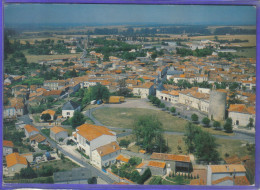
{"points": [[217, 105]]}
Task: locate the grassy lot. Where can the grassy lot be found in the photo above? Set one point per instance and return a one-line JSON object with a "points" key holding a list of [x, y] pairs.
{"points": [[62, 165], [34, 180], [247, 52], [36, 117], [37, 58], [124, 118], [230, 146]]}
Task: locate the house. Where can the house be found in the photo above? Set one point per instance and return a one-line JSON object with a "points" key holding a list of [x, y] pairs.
{"points": [[53, 93], [50, 112], [15, 162], [105, 155], [170, 96], [57, 133], [90, 137], [157, 168], [54, 84], [195, 99], [7, 147], [122, 159], [225, 175], [37, 139], [240, 114], [30, 130], [141, 168], [69, 108], [174, 162], [28, 156], [144, 90], [74, 176]]}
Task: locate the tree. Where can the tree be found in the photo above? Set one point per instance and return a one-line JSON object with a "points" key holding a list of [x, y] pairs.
{"points": [[228, 126], [135, 176], [149, 133], [194, 117], [97, 92], [190, 132], [46, 117], [123, 90], [135, 161], [206, 121], [162, 105], [27, 173], [146, 175], [92, 180], [77, 119], [205, 147], [217, 125], [251, 123]]}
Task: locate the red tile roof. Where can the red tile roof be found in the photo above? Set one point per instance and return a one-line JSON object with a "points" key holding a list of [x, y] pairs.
{"points": [[157, 164], [15, 158], [162, 156], [8, 143]]}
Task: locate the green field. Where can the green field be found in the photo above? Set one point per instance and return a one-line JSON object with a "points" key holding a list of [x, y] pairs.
{"points": [[125, 117], [246, 52]]}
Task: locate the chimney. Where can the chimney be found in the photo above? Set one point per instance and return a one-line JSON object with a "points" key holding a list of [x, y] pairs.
{"points": [[227, 168], [100, 152], [114, 147]]}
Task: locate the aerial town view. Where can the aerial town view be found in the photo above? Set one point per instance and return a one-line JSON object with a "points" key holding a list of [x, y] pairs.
{"points": [[129, 94]]}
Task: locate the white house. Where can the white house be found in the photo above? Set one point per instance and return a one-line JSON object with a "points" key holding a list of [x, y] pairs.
{"points": [[194, 99], [15, 163], [240, 114], [30, 130], [7, 147], [57, 133], [90, 137], [226, 175], [69, 108], [144, 90], [170, 96], [105, 155]]}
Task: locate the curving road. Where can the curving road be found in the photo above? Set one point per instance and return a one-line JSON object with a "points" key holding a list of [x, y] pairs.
{"points": [[142, 103]]}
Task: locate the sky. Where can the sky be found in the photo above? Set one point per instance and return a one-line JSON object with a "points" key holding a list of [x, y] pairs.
{"points": [[127, 14]]}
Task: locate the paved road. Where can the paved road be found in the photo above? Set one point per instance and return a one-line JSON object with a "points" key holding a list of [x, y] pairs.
{"points": [[94, 171], [142, 103]]}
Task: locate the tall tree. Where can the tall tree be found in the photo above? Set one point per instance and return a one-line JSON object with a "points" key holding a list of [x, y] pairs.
{"points": [[149, 133], [77, 119]]}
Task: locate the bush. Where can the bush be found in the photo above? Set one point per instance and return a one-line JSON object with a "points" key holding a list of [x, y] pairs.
{"points": [[206, 121], [27, 173], [217, 125], [173, 109], [44, 147], [162, 105], [134, 176], [228, 126], [124, 143], [146, 175], [194, 117]]}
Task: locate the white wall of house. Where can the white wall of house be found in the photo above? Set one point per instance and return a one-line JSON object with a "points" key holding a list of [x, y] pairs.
{"points": [[94, 144], [7, 150], [143, 92], [105, 160], [200, 104], [16, 168], [215, 176], [167, 97], [240, 119], [30, 134], [69, 113], [9, 112], [57, 136]]}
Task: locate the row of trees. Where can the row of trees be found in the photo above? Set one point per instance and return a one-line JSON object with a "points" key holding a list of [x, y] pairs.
{"points": [[197, 53]]}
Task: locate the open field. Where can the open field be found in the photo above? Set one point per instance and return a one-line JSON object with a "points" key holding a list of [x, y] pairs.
{"points": [[230, 146], [125, 117], [37, 58], [62, 165], [247, 52]]}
